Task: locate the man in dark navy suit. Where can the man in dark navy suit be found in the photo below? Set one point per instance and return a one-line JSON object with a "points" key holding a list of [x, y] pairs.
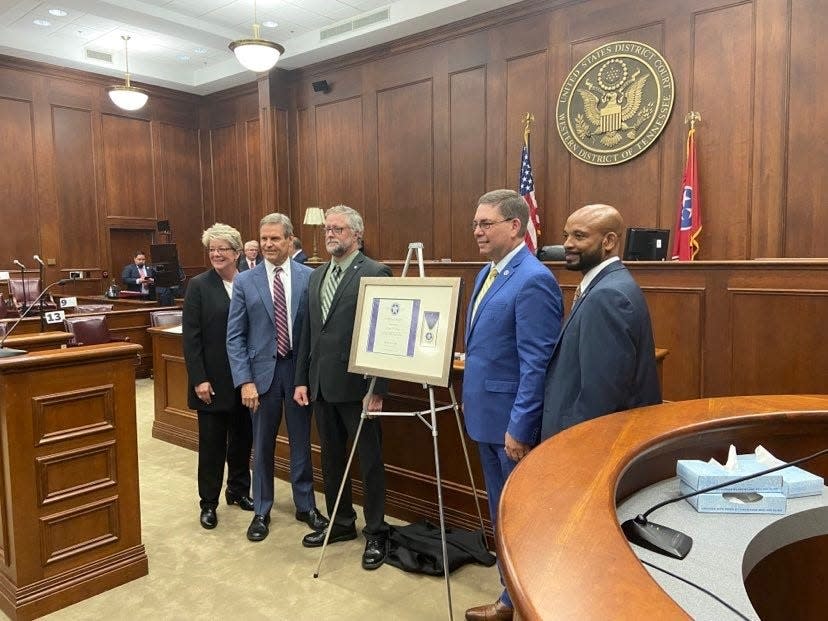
{"points": [[138, 276], [604, 361]]}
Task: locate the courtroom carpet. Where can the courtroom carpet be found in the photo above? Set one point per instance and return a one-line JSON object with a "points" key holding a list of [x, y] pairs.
{"points": [[200, 574]]}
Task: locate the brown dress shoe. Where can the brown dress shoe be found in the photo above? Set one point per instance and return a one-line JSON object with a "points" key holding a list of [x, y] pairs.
{"points": [[490, 612]]}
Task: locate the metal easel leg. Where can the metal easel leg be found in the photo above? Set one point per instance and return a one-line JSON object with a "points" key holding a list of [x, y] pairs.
{"points": [[466, 455], [345, 477], [440, 501]]}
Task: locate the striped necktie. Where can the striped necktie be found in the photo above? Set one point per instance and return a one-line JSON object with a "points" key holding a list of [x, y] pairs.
{"points": [[329, 291], [486, 284], [576, 295], [280, 315]]}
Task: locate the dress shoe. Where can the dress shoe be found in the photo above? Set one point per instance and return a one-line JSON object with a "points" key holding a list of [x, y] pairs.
{"points": [[258, 529], [317, 538], [245, 502], [312, 518], [490, 612], [375, 549], [208, 519]]}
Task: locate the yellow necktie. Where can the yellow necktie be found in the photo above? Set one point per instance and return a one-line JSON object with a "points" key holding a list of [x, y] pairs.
{"points": [[486, 284]]}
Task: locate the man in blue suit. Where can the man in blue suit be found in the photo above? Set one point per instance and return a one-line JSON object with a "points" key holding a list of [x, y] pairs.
{"points": [[263, 324], [512, 324], [604, 361]]}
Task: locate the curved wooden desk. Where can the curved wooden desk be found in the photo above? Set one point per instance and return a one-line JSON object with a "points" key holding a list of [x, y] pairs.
{"points": [[559, 541]]}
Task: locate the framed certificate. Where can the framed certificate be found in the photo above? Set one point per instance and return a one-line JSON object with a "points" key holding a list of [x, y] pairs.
{"points": [[405, 328]]}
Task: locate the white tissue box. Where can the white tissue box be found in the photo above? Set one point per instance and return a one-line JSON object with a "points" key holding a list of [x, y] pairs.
{"points": [[699, 474], [721, 502]]}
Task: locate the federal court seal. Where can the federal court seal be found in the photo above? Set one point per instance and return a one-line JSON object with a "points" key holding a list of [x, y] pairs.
{"points": [[615, 103]]}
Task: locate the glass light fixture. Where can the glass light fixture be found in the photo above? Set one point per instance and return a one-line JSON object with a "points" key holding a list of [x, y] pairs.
{"points": [[126, 96], [315, 217], [257, 54]]}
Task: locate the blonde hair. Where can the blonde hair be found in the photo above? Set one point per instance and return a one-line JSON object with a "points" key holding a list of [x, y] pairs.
{"points": [[224, 232]]}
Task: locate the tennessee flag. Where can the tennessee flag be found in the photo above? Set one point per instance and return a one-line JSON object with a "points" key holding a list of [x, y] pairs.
{"points": [[689, 222]]}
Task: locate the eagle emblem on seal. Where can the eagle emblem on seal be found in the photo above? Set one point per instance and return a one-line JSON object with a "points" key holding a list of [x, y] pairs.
{"points": [[613, 105]]}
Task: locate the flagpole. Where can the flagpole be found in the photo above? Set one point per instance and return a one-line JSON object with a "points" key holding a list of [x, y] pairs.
{"points": [[528, 119]]}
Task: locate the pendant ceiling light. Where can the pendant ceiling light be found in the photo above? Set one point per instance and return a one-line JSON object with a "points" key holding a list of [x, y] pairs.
{"points": [[257, 54], [127, 97]]}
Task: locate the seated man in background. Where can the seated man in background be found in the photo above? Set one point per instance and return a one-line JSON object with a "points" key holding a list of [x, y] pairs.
{"points": [[138, 276], [251, 257]]}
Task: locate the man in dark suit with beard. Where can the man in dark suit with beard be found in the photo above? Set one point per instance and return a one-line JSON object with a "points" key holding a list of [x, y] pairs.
{"points": [[322, 377], [604, 360]]}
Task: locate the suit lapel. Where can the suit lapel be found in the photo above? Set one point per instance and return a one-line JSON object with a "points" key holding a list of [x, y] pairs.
{"points": [[345, 281], [612, 267], [263, 287], [297, 282], [499, 282]]}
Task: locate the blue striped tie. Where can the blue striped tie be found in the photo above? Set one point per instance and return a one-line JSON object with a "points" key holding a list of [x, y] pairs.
{"points": [[280, 315]]}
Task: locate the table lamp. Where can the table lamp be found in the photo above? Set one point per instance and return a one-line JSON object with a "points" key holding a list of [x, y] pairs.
{"points": [[314, 216]]}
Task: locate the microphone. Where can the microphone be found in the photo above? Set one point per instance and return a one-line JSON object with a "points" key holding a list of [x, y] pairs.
{"points": [[39, 260], [7, 352], [670, 542], [19, 264]]}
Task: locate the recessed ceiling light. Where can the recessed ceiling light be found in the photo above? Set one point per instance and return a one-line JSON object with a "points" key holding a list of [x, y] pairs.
{"points": [[42, 22], [183, 58], [58, 12], [200, 50], [270, 24]]}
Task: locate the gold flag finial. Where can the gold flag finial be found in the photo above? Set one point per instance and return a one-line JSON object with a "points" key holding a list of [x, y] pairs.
{"points": [[692, 117], [528, 119]]}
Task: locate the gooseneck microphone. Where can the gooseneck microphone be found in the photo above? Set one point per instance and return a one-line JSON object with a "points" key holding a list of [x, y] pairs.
{"points": [[670, 542], [39, 260], [19, 264], [6, 352]]}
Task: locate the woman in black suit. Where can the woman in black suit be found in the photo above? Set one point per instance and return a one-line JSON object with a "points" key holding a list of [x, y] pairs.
{"points": [[224, 427]]}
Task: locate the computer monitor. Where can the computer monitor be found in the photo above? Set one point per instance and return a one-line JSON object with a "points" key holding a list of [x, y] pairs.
{"points": [[165, 261], [646, 244]]}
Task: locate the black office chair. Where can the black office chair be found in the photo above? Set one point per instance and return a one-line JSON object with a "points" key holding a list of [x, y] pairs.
{"points": [[551, 253]]}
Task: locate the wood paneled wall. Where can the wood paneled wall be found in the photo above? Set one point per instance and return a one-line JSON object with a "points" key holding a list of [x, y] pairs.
{"points": [[76, 168], [413, 132]]}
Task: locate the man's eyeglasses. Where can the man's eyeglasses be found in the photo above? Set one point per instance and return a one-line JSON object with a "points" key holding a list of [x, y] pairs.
{"points": [[485, 225], [223, 250], [336, 230]]}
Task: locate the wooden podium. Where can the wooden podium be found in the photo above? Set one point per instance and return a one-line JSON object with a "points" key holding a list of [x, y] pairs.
{"points": [[561, 547], [70, 524]]}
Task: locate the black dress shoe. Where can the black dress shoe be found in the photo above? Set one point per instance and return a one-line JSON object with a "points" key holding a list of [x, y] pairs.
{"points": [[258, 529], [313, 518], [245, 502], [208, 518], [375, 550], [317, 538]]}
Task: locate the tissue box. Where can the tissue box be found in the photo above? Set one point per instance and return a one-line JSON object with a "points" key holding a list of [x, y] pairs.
{"points": [[796, 482], [717, 502], [699, 474]]}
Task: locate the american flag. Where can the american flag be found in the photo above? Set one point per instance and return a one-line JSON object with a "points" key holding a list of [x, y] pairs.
{"points": [[527, 191]]}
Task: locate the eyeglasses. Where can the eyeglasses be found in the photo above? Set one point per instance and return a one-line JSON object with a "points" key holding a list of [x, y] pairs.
{"points": [[223, 250], [485, 225], [336, 230]]}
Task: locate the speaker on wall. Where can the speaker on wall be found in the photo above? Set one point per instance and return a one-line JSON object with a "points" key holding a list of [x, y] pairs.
{"points": [[321, 86]]}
